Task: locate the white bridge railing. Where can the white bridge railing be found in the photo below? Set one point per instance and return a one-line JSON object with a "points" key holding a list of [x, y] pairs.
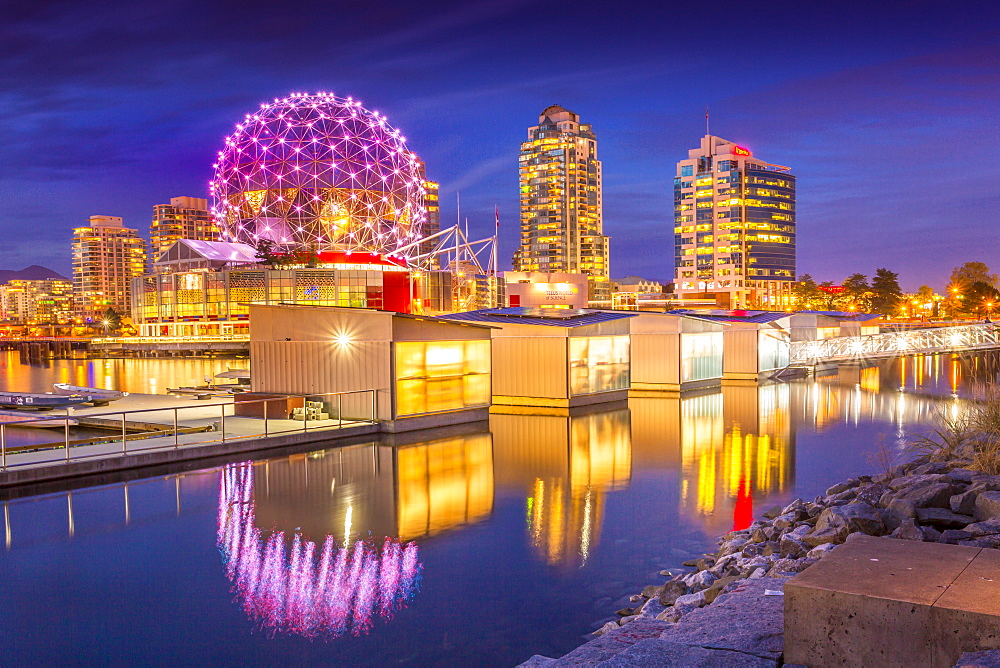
{"points": [[890, 344]]}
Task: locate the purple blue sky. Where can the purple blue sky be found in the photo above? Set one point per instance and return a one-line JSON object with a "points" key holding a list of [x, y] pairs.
{"points": [[888, 112]]}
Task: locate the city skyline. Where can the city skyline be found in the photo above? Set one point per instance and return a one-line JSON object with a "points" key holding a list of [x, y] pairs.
{"points": [[872, 121]]}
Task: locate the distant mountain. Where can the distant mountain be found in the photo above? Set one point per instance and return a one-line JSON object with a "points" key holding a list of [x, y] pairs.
{"points": [[32, 273]]}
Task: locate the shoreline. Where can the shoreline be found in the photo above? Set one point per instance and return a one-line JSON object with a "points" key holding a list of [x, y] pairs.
{"points": [[936, 497]]}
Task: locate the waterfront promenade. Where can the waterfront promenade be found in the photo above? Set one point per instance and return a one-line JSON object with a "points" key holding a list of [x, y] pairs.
{"points": [[144, 430]]}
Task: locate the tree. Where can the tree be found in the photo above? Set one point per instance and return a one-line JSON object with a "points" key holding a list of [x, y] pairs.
{"points": [[806, 293], [885, 292], [972, 272], [979, 299], [267, 253], [858, 292], [112, 321]]}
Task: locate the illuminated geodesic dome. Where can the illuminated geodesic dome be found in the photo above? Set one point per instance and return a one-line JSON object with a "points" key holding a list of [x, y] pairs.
{"points": [[317, 171]]}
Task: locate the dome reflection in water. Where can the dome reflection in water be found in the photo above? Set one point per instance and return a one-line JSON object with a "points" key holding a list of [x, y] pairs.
{"points": [[316, 591]]}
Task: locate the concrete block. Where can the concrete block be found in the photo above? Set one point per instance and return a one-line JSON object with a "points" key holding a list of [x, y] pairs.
{"points": [[882, 602], [613, 642]]}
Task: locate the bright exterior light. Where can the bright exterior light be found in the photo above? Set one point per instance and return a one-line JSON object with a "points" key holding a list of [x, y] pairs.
{"points": [[342, 339], [318, 171]]}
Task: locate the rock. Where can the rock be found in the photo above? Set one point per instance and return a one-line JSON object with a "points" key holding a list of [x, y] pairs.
{"points": [[651, 608], [990, 482], [794, 506], [771, 547], [855, 516], [650, 591], [636, 598], [771, 512], [964, 503], [975, 542], [675, 613], [984, 528], [936, 494], [871, 494], [931, 534], [790, 547], [625, 620], [690, 563], [897, 511], [908, 530], [834, 534], [930, 467], [757, 572], [625, 612], [758, 536], [961, 475], [705, 563], [902, 482], [719, 586], [670, 591], [953, 536], [730, 546], [820, 551], [699, 580], [784, 521], [989, 658], [666, 574], [838, 488], [939, 518], [987, 505], [604, 629], [697, 599], [784, 567]]}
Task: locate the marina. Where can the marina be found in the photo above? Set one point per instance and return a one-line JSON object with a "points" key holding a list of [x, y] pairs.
{"points": [[577, 509]]}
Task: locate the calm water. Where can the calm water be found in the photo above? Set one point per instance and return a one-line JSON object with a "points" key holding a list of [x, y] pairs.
{"points": [[477, 549]]}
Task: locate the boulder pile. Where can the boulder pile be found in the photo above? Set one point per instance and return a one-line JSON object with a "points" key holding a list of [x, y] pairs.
{"points": [[921, 500]]}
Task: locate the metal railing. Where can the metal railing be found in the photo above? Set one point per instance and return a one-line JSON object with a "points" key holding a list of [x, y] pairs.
{"points": [[891, 344], [165, 428], [210, 338]]}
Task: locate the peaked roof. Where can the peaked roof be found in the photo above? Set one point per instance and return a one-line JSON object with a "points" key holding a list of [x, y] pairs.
{"points": [[719, 315], [212, 251], [552, 317]]}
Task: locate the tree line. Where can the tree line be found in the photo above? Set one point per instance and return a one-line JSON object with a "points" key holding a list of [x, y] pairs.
{"points": [[971, 292]]}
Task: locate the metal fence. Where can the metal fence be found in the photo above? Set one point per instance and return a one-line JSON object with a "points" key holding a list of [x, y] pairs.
{"points": [[152, 429], [891, 344]]}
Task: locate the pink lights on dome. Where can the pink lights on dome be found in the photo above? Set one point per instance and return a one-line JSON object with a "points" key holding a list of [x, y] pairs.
{"points": [[311, 590], [314, 170]]}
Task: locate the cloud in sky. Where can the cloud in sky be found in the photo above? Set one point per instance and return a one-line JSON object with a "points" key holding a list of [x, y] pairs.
{"points": [[889, 123]]}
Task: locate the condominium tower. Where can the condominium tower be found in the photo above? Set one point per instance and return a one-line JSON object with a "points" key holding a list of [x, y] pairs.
{"points": [[183, 218], [106, 257], [734, 227], [561, 219], [33, 302]]}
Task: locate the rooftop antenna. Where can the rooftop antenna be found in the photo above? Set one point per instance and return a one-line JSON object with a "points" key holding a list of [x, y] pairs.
{"points": [[706, 121]]}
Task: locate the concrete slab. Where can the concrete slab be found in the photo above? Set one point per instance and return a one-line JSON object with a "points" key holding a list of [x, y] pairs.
{"points": [[653, 652], [744, 620], [612, 643], [886, 602]]}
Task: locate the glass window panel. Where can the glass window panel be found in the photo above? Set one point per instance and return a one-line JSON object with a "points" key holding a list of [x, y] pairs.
{"points": [[447, 375], [701, 356], [598, 364]]}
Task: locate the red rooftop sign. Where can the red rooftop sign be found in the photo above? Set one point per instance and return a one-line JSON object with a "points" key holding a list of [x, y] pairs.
{"points": [[739, 150]]}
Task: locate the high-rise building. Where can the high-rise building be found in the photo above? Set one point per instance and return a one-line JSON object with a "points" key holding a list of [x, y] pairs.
{"points": [[561, 219], [183, 218], [734, 227], [37, 302], [106, 257], [432, 224]]}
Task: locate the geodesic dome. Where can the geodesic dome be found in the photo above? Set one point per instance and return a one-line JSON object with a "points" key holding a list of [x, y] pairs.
{"points": [[321, 172]]}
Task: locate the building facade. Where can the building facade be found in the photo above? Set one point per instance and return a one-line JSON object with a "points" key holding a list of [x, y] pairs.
{"points": [[561, 203], [734, 227], [183, 218], [106, 257], [432, 223], [37, 302]]}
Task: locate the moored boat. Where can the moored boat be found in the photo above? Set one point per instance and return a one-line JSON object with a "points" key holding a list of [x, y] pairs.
{"points": [[97, 396], [40, 401]]}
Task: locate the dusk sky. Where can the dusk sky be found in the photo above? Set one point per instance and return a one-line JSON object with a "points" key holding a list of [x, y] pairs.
{"points": [[887, 112]]}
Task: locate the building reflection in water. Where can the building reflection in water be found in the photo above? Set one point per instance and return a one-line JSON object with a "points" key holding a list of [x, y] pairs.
{"points": [[318, 544], [732, 445], [565, 466]]}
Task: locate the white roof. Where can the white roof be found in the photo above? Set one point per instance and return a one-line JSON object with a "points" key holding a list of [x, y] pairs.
{"points": [[212, 251]]}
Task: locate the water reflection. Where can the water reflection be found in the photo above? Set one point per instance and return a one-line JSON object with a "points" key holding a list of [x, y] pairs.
{"points": [[566, 466], [146, 376], [308, 589]]}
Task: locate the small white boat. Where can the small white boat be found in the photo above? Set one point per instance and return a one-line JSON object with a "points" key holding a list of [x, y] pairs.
{"points": [[96, 395]]}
